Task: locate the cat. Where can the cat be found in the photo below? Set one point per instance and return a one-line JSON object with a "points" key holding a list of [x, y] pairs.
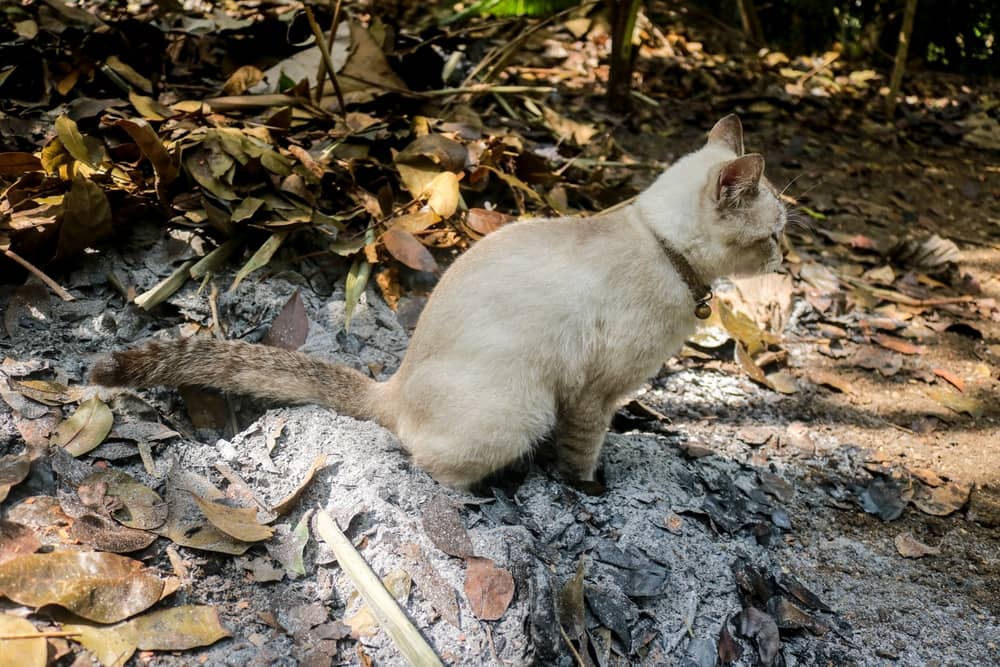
{"points": [[538, 330]]}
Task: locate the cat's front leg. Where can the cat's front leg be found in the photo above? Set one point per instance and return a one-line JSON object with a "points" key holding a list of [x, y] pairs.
{"points": [[581, 427]]}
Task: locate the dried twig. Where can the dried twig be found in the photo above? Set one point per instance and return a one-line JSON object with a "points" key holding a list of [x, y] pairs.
{"points": [[324, 50], [40, 635], [53, 285], [390, 616]]}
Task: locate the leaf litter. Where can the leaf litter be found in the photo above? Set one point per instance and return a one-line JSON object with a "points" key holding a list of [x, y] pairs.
{"points": [[205, 164]]}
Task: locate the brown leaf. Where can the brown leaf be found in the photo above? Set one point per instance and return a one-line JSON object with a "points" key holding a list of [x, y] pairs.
{"points": [[941, 500], [288, 502], [291, 326], [152, 148], [86, 218], [15, 164], [444, 526], [100, 532], [46, 391], [174, 629], [21, 652], [489, 588], [484, 221], [951, 378], [100, 587], [447, 154], [85, 429], [140, 506], [186, 523], [416, 222], [238, 522], [729, 650], [15, 540], [909, 547], [874, 359], [831, 380], [898, 345], [405, 247], [244, 77], [14, 468], [571, 608], [745, 330]]}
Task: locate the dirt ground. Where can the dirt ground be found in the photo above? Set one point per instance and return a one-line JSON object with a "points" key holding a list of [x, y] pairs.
{"points": [[858, 483]]}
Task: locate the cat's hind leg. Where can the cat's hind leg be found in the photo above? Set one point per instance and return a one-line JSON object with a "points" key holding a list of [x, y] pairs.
{"points": [[581, 426]]}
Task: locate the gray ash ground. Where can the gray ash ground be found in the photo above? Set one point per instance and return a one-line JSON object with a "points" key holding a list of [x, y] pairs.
{"points": [[698, 521]]}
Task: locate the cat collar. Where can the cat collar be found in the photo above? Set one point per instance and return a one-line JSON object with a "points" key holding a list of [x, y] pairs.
{"points": [[700, 292]]}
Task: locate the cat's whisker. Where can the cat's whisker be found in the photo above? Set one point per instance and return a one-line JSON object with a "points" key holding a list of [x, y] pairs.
{"points": [[789, 184]]}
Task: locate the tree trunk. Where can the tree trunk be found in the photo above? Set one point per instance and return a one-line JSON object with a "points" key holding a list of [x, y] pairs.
{"points": [[623, 13], [899, 67]]}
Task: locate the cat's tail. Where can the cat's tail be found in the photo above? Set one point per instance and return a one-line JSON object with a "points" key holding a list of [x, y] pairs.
{"points": [[242, 368]]}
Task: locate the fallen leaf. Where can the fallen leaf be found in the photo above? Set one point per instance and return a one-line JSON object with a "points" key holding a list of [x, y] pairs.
{"points": [[286, 504], [101, 587], [984, 505], [909, 547], [45, 391], [831, 380], [951, 378], [354, 287], [173, 629], [415, 223], [873, 359], [956, 402], [16, 164], [941, 500], [572, 613], [489, 588], [729, 650], [759, 626], [789, 616], [290, 327], [745, 330], [238, 522], [898, 345], [445, 528], [21, 652], [145, 137], [86, 429], [14, 468], [261, 257], [186, 523], [405, 247], [140, 506], [15, 540], [444, 194], [73, 141], [484, 221]]}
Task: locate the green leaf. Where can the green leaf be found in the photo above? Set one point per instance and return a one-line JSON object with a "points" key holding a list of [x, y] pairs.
{"points": [[260, 258], [354, 287]]}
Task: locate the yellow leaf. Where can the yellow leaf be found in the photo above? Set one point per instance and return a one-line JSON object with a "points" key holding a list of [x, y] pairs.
{"points": [[86, 429]]}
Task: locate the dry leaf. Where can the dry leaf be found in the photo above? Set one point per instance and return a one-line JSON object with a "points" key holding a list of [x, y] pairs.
{"points": [[21, 652], [100, 587], [941, 500], [141, 507], [909, 547], [290, 328], [444, 526], [831, 380], [86, 429], [174, 629], [186, 523], [288, 502], [444, 195], [489, 588], [484, 221], [14, 469], [405, 247], [898, 345], [15, 540], [951, 378], [15, 164], [238, 522], [956, 402]]}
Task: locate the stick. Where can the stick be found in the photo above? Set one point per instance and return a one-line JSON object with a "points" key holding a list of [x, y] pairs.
{"points": [[40, 635], [387, 611], [324, 50], [53, 285], [899, 66], [572, 649]]}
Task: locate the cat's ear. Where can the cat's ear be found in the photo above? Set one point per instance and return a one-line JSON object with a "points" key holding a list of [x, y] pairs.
{"points": [[728, 132], [739, 178]]}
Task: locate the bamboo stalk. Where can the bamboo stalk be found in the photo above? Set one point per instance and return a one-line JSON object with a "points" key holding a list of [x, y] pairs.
{"points": [[390, 616]]}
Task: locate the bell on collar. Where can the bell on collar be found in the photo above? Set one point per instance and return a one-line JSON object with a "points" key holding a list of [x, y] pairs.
{"points": [[702, 311]]}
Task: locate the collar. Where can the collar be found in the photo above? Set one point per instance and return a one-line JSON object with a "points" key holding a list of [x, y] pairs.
{"points": [[700, 292]]}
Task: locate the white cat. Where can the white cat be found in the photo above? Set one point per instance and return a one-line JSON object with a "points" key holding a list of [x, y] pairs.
{"points": [[538, 330]]}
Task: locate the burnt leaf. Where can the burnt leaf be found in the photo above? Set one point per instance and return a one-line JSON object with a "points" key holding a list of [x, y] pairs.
{"points": [[755, 624]]}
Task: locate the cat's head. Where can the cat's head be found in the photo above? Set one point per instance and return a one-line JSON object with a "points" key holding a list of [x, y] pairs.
{"points": [[716, 207], [741, 211]]}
